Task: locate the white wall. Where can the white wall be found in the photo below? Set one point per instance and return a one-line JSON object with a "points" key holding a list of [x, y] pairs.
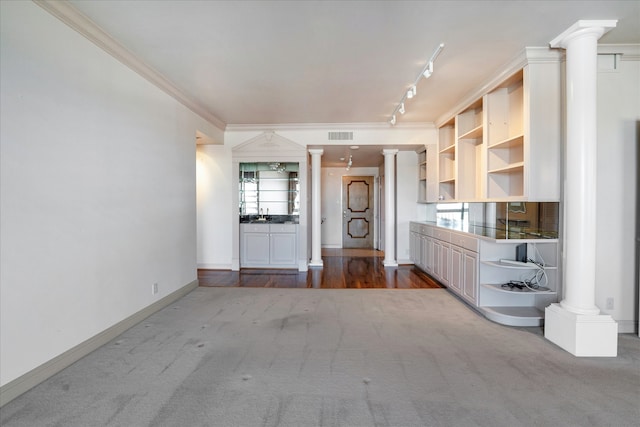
{"points": [[214, 186], [618, 115], [96, 188], [407, 209]]}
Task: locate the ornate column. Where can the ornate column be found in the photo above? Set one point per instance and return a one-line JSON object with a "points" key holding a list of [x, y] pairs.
{"points": [[389, 208], [576, 323], [316, 221]]}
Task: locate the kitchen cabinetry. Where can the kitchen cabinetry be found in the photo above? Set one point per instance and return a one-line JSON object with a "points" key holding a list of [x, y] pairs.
{"points": [[447, 257], [506, 144], [478, 269], [269, 245]]}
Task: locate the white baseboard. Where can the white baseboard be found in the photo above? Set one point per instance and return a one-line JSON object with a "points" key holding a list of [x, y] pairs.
{"points": [[627, 326], [25, 382], [207, 266], [331, 246]]}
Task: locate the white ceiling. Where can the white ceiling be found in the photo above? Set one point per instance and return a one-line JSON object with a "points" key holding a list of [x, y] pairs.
{"points": [[277, 62]]}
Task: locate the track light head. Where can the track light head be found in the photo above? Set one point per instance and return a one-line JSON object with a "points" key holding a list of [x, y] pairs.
{"points": [[401, 109], [428, 71], [393, 120]]}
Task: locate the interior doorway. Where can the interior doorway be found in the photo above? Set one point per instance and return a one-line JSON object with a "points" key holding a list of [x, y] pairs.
{"points": [[358, 212]]}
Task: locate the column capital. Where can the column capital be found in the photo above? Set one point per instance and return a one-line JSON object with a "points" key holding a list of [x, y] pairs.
{"points": [[582, 28], [316, 151], [389, 151]]}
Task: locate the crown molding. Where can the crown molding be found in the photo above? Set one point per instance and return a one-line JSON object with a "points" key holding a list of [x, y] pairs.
{"points": [[329, 126], [68, 14]]}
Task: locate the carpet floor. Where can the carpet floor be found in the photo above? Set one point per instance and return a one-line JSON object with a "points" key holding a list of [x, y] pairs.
{"points": [[313, 357]]}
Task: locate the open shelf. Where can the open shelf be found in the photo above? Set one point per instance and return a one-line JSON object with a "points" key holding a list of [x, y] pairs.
{"points": [[514, 141], [523, 266], [449, 149], [472, 134], [516, 291], [515, 167], [514, 316]]}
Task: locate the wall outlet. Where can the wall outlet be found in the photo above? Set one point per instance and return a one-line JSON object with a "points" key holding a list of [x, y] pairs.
{"points": [[154, 289], [609, 303]]}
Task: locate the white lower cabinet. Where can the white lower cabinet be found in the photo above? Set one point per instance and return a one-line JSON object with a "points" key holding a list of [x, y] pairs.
{"points": [[478, 270], [457, 271], [255, 249], [442, 250], [469, 269], [269, 245]]}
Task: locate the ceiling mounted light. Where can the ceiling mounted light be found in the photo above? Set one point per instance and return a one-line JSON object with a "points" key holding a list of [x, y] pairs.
{"points": [[426, 72]]}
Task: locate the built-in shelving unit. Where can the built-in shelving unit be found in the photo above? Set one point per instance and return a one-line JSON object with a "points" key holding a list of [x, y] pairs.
{"points": [[422, 174], [269, 189], [475, 268], [470, 147], [447, 161], [506, 143], [518, 306]]}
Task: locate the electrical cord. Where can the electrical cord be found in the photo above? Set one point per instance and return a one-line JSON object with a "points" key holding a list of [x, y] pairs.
{"points": [[536, 283]]}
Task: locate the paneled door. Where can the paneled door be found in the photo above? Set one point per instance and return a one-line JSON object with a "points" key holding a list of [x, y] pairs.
{"points": [[357, 213]]}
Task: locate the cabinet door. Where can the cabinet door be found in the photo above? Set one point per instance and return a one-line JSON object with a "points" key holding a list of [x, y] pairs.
{"points": [[436, 259], [414, 241], [445, 263], [283, 248], [457, 272], [470, 283], [427, 254], [255, 249]]}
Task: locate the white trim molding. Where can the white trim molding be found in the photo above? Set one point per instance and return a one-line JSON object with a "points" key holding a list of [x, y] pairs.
{"points": [[68, 14], [25, 382]]}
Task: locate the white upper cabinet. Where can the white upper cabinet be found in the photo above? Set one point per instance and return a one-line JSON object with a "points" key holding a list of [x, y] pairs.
{"points": [[506, 144]]}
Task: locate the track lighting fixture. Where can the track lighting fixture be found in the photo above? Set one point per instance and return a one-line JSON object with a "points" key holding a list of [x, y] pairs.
{"points": [[350, 162], [426, 72]]}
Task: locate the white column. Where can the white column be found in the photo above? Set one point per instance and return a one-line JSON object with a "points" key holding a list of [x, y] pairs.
{"points": [[576, 323], [389, 208], [316, 222]]}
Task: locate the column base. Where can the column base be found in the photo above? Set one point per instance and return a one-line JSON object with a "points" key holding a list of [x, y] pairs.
{"points": [[386, 263], [583, 335], [313, 263]]}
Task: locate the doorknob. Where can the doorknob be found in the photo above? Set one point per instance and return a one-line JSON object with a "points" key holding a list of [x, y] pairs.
{"points": [[344, 214]]}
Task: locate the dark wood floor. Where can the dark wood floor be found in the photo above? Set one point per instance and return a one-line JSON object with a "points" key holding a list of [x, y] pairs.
{"points": [[342, 269]]}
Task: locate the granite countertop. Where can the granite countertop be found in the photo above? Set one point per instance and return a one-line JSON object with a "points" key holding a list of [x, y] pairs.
{"points": [[270, 219], [493, 232]]}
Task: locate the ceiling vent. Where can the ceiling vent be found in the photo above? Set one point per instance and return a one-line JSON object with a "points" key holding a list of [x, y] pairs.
{"points": [[340, 136]]}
